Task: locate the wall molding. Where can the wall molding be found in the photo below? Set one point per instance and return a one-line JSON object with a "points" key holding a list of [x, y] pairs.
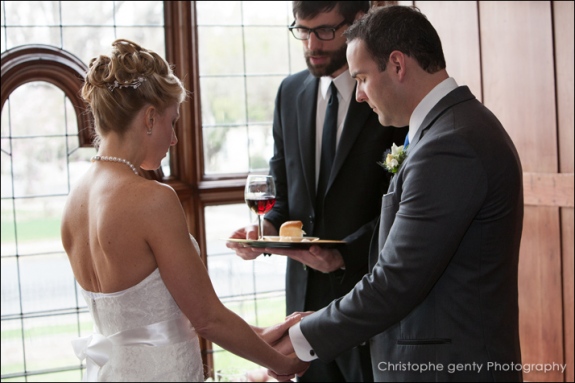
{"points": [[548, 189]]}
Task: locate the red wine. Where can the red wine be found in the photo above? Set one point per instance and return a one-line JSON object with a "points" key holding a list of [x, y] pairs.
{"points": [[261, 206]]}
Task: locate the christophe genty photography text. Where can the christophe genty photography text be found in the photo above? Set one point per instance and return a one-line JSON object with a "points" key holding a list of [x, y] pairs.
{"points": [[477, 367]]}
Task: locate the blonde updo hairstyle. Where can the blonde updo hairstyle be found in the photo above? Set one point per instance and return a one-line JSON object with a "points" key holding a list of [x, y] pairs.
{"points": [[143, 77]]}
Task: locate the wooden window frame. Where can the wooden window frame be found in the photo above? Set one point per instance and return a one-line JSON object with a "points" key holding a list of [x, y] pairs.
{"points": [[194, 188]]}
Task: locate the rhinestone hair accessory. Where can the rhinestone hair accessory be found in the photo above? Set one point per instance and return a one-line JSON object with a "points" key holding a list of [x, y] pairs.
{"points": [[134, 84]]}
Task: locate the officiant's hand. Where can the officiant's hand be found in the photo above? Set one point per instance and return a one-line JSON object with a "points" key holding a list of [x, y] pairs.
{"points": [[250, 232], [246, 253], [316, 257]]}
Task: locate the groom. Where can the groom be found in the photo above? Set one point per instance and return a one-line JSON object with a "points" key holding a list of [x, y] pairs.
{"points": [[440, 302]]}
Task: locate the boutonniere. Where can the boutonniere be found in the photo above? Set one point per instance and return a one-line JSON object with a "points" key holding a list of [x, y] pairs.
{"points": [[393, 158]]}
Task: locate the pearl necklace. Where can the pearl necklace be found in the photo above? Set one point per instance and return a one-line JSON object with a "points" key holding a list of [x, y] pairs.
{"points": [[115, 159]]}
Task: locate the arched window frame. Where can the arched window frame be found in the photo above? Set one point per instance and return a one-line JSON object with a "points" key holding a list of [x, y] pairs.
{"points": [[29, 63]]}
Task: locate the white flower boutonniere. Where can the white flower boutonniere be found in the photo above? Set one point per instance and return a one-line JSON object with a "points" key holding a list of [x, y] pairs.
{"points": [[393, 158]]}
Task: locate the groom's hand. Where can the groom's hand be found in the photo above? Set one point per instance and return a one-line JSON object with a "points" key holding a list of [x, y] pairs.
{"points": [[284, 345], [274, 334]]}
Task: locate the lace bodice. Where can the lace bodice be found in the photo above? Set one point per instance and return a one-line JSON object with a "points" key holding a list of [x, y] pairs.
{"points": [[140, 334], [130, 308]]}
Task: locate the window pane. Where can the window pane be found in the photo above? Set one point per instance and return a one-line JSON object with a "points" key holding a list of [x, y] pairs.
{"points": [[88, 42], [270, 43], [223, 100], [47, 283], [152, 36], [220, 51], [6, 165], [88, 13], [231, 275], [10, 288], [140, 13], [43, 338], [225, 149], [261, 93], [260, 50], [260, 298], [31, 12], [12, 350], [47, 102], [8, 231], [267, 13], [38, 224], [39, 164], [32, 35], [260, 147], [218, 12]]}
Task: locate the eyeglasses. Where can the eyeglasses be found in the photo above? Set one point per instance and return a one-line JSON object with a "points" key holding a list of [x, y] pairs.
{"points": [[322, 33]]}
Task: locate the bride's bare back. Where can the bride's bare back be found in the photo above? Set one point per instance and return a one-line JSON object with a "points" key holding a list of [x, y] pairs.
{"points": [[104, 229]]}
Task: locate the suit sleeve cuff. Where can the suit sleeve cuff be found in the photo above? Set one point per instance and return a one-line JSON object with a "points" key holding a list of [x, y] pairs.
{"points": [[301, 346]]}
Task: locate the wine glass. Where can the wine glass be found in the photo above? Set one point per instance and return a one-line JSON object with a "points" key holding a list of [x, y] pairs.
{"points": [[260, 196]]}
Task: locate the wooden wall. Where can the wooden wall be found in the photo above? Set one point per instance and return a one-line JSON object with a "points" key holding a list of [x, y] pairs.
{"points": [[517, 57]]}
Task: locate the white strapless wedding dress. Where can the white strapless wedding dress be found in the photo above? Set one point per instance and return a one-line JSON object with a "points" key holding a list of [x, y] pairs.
{"points": [[140, 334]]}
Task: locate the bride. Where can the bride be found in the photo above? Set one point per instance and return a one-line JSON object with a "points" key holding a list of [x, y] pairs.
{"points": [[126, 237]]}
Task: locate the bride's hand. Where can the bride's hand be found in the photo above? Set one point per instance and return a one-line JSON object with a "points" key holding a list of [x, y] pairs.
{"points": [[298, 365], [274, 334]]}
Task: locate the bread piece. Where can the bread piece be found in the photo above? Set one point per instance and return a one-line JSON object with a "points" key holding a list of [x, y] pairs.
{"points": [[291, 229]]}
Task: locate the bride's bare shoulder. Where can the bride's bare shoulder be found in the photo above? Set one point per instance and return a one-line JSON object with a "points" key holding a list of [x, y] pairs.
{"points": [[155, 193]]}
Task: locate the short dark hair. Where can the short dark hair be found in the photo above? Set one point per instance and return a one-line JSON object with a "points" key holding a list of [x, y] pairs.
{"points": [[399, 28], [310, 9]]}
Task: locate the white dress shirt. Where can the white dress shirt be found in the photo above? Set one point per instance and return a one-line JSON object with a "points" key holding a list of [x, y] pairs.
{"points": [[427, 103]]}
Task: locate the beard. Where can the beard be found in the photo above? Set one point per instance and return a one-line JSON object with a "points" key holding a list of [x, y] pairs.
{"points": [[337, 60]]}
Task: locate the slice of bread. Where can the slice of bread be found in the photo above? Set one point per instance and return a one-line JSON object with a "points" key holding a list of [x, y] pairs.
{"points": [[292, 229]]}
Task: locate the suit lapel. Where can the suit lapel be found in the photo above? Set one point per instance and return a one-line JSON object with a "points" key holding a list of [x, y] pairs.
{"points": [[306, 111], [357, 115], [456, 96]]}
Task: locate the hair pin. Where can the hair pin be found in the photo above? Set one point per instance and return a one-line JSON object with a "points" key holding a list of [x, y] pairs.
{"points": [[134, 84]]}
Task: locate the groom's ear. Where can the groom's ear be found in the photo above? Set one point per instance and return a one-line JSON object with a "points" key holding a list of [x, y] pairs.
{"points": [[396, 64]]}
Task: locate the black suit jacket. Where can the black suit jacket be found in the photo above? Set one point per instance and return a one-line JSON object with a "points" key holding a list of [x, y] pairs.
{"points": [[353, 195], [443, 289]]}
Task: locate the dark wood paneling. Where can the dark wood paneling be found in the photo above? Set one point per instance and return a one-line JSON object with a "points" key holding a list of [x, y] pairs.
{"points": [[540, 292], [518, 77], [548, 189], [564, 52], [568, 287], [460, 39], [518, 86]]}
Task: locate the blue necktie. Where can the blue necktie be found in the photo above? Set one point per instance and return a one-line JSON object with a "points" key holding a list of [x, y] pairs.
{"points": [[406, 142], [327, 145]]}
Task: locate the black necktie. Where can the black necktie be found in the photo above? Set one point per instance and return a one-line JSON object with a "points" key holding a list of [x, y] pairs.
{"points": [[327, 145]]}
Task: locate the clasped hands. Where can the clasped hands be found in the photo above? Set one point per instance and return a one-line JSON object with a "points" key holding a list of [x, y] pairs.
{"points": [[277, 336]]}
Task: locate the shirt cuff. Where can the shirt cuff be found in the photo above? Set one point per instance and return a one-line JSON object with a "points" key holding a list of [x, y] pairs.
{"points": [[301, 346]]}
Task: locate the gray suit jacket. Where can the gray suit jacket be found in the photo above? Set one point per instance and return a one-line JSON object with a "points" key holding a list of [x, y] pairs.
{"points": [[443, 288]]}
